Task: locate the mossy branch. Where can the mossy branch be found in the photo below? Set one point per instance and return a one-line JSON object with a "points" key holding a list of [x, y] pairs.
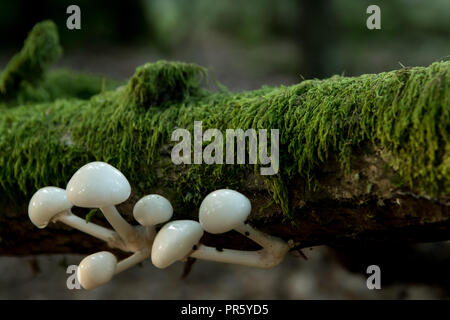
{"points": [[157, 84], [26, 69], [361, 158]]}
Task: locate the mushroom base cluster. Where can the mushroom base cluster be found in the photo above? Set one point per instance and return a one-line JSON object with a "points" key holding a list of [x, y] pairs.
{"points": [[100, 185]]}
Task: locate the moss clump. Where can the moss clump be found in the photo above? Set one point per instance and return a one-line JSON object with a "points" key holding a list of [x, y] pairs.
{"points": [[26, 79], [26, 69], [63, 83], [405, 113], [155, 84]]}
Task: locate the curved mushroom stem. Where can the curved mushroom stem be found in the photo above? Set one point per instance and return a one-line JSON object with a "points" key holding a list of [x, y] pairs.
{"points": [[273, 252], [275, 246], [92, 229], [259, 259], [122, 227], [133, 260]]}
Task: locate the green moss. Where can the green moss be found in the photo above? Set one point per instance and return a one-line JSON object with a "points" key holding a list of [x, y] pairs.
{"points": [[26, 69], [26, 80], [93, 213], [63, 83], [406, 113], [154, 84]]}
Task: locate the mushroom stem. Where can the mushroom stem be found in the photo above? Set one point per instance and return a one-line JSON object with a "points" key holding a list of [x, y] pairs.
{"points": [[273, 252], [133, 260], [122, 227], [92, 229], [274, 245], [259, 259]]}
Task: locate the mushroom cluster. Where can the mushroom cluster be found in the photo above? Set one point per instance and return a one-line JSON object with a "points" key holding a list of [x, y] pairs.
{"points": [[100, 185]]}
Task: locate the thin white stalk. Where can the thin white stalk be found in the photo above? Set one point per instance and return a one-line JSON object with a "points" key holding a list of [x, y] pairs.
{"points": [[273, 252], [259, 259], [133, 260], [92, 229], [122, 227], [274, 245]]}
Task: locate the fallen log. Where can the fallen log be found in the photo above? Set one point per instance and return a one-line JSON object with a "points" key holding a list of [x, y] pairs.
{"points": [[361, 159]]}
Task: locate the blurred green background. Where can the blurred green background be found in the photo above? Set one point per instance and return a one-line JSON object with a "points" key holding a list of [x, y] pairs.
{"points": [[245, 43]]}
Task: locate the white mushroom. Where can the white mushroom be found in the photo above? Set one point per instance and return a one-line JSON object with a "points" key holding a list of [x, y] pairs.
{"points": [[100, 185], [96, 269], [175, 241], [225, 210], [99, 268], [152, 209], [45, 204], [50, 204]]}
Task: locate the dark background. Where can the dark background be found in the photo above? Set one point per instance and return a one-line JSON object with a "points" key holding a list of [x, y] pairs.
{"points": [[260, 39], [244, 44]]}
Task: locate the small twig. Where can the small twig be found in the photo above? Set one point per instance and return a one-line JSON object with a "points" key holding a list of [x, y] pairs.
{"points": [[187, 267]]}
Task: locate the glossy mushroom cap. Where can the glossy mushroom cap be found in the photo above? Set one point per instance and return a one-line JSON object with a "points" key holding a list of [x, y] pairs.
{"points": [[96, 269], [97, 185], [175, 241], [152, 210], [45, 204], [223, 210]]}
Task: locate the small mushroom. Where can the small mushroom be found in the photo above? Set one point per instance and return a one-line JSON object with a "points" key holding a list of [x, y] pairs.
{"points": [[96, 269], [225, 210], [175, 241], [51, 204], [47, 203], [99, 268], [152, 209], [100, 185]]}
